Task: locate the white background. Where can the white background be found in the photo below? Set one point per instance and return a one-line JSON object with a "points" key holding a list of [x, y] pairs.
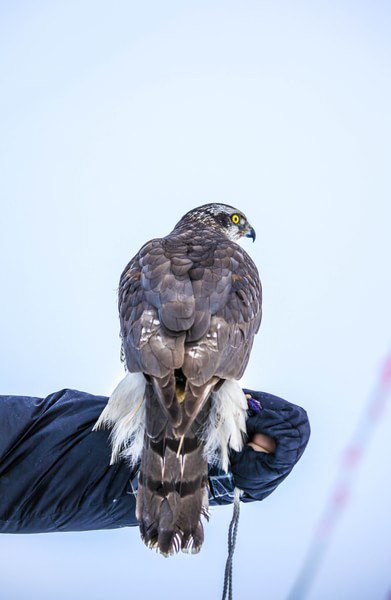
{"points": [[117, 118]]}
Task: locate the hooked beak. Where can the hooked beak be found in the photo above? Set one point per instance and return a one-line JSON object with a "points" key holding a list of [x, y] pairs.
{"points": [[251, 234]]}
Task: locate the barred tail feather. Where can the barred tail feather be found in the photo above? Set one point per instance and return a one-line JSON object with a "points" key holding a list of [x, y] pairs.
{"points": [[172, 492], [173, 479]]}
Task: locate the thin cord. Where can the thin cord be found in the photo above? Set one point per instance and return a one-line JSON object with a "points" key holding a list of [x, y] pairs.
{"points": [[232, 535]]}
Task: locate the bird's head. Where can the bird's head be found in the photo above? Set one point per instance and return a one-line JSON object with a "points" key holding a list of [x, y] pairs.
{"points": [[221, 217]]}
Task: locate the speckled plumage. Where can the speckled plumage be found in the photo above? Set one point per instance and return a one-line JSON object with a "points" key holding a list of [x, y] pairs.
{"points": [[190, 305]]}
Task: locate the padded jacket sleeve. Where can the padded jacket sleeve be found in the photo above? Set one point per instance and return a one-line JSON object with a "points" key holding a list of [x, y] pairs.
{"points": [[55, 473], [257, 473]]}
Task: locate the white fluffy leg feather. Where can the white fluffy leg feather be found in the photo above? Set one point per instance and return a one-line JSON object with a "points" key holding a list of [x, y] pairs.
{"points": [[227, 423], [125, 413]]}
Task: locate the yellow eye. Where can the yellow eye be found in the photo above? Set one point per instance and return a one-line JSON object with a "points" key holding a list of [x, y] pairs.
{"points": [[235, 219]]}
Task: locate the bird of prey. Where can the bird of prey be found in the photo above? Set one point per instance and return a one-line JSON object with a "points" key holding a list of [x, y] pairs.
{"points": [[189, 306]]}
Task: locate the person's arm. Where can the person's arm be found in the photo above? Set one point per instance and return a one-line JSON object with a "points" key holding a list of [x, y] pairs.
{"points": [[285, 423], [278, 434], [55, 473]]}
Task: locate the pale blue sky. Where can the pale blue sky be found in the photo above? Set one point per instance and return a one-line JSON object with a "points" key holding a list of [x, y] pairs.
{"points": [[116, 118]]}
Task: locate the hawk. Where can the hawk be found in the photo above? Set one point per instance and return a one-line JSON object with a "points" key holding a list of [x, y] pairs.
{"points": [[189, 306]]}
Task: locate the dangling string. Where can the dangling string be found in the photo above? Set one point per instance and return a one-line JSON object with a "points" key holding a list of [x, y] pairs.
{"points": [[232, 534]]}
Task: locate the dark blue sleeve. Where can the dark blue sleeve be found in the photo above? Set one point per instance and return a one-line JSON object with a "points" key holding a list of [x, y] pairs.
{"points": [[257, 473], [55, 473]]}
